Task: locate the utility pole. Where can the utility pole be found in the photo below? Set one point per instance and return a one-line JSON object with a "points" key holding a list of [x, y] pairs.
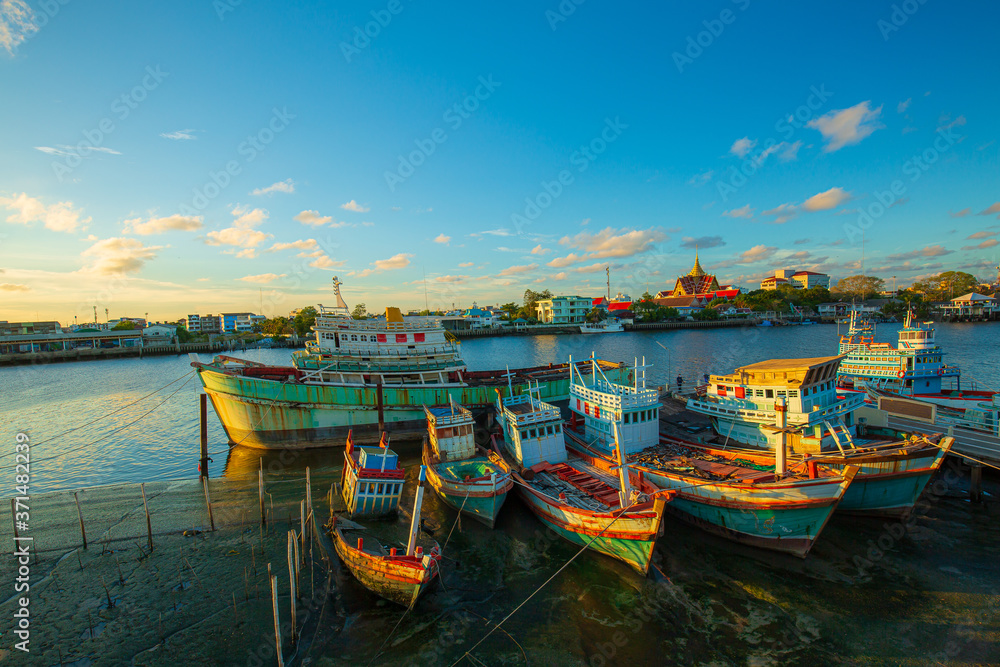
{"points": [[607, 270]]}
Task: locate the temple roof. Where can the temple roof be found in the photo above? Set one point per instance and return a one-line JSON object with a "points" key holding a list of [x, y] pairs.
{"points": [[697, 270]]}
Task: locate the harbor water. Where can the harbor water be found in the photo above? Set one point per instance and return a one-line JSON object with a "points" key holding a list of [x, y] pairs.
{"points": [[874, 592]]}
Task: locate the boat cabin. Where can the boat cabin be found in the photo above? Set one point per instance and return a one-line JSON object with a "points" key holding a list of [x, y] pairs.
{"points": [[451, 429], [601, 404], [372, 479], [806, 385], [532, 428]]}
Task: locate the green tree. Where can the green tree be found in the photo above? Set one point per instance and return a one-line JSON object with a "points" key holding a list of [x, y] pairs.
{"points": [[860, 287], [945, 286], [183, 335], [124, 325], [595, 315], [510, 309], [304, 321], [532, 297], [276, 326], [706, 314], [359, 312]]}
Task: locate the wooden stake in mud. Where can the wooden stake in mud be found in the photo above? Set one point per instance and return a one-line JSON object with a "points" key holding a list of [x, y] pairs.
{"points": [[149, 525], [292, 572], [208, 503], [302, 525], [260, 493], [976, 482], [203, 468], [309, 495], [298, 563], [277, 622], [80, 514]]}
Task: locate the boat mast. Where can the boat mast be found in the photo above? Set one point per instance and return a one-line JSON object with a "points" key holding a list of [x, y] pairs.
{"points": [[625, 492], [415, 522]]}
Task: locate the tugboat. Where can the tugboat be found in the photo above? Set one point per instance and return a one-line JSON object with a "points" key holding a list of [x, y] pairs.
{"points": [[471, 480], [612, 512], [398, 577], [794, 403], [778, 507], [358, 375]]}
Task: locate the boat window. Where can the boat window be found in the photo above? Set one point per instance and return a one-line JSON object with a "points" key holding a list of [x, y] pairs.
{"points": [[793, 394], [759, 392], [354, 336], [558, 428], [533, 433], [769, 393], [548, 429], [381, 489], [524, 434]]}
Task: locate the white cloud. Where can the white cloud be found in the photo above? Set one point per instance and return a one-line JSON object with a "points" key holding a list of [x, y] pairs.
{"points": [[610, 242], [561, 262], [465, 265], [946, 124], [902, 106], [741, 147], [539, 250], [397, 261], [515, 270], [993, 208], [824, 201], [287, 186], [172, 223], [17, 23], [59, 217], [305, 244], [783, 213], [960, 214], [324, 262], [313, 218], [844, 127], [62, 150], [741, 212], [593, 268], [927, 251], [354, 206], [180, 134], [442, 238], [14, 287], [263, 278], [758, 253], [453, 280], [702, 178], [118, 256], [242, 234]]}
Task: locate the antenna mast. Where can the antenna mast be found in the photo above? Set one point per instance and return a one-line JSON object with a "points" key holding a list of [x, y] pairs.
{"points": [[607, 270]]}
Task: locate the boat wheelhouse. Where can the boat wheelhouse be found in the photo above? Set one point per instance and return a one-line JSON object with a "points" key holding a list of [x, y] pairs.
{"points": [[603, 404], [469, 479], [372, 479], [744, 405]]}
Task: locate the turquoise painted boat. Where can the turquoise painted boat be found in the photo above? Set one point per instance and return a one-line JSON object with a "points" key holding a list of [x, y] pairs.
{"points": [[359, 375], [739, 500], [469, 479], [580, 502]]}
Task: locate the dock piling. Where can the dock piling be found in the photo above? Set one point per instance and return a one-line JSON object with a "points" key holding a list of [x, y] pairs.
{"points": [[976, 482], [83, 532], [277, 623]]}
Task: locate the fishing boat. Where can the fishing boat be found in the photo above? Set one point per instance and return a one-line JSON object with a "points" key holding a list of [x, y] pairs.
{"points": [[604, 326], [612, 512], [398, 577], [469, 479], [794, 404], [358, 375], [760, 505]]}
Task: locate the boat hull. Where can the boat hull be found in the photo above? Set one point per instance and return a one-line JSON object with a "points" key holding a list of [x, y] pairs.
{"points": [[271, 414], [398, 580], [480, 499]]}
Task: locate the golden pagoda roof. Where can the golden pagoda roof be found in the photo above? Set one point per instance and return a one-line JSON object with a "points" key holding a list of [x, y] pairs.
{"points": [[697, 270]]}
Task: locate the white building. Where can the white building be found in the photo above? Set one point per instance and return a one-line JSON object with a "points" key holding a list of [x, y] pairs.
{"points": [[563, 309], [159, 332], [796, 279]]}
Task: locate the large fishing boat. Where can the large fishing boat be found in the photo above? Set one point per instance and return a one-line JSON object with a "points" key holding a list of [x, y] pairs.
{"points": [[617, 516], [792, 405], [761, 505], [471, 480], [359, 375]]}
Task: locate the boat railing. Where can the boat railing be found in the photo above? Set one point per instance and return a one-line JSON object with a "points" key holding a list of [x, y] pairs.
{"points": [[340, 323], [626, 399]]}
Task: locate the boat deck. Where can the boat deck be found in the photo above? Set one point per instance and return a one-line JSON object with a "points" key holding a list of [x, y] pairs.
{"points": [[584, 485]]}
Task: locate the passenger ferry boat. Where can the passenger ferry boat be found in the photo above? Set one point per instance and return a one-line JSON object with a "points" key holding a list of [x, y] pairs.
{"points": [[357, 375], [471, 480], [754, 504], [604, 326], [794, 403], [613, 513]]}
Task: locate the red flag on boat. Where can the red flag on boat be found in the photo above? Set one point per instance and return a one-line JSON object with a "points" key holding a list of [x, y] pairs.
{"points": [[383, 442], [350, 443]]}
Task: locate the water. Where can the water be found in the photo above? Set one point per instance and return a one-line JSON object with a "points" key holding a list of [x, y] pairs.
{"points": [[870, 591], [48, 400]]}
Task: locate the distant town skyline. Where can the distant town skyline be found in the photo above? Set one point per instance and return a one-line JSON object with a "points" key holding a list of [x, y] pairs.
{"points": [[483, 152]]}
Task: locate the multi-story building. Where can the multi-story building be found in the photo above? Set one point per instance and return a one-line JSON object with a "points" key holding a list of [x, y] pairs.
{"points": [[563, 309], [239, 322], [27, 328], [204, 324], [796, 279]]}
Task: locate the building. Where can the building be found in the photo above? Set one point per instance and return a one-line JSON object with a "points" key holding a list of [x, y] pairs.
{"points": [[796, 279], [699, 283], [480, 318], [970, 306], [239, 322], [685, 305], [28, 328], [159, 332], [563, 310], [203, 324]]}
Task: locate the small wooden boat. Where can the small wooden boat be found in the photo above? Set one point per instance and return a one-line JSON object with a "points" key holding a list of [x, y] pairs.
{"points": [[399, 577], [737, 499], [580, 502], [372, 479], [469, 479]]}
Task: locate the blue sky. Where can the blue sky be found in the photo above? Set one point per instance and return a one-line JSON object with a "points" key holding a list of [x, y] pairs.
{"points": [[202, 157]]}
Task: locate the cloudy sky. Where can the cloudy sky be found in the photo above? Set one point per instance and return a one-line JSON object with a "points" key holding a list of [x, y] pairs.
{"points": [[184, 157]]}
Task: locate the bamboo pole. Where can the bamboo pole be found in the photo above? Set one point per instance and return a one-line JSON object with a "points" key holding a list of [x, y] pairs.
{"points": [[13, 518], [298, 562], [309, 497], [292, 583], [260, 492], [149, 524], [208, 503], [277, 622], [79, 513], [302, 525]]}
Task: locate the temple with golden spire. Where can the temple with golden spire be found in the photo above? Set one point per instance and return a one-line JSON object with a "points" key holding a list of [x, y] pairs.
{"points": [[697, 282]]}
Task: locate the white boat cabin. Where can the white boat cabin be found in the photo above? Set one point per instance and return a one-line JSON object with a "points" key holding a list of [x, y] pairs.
{"points": [[602, 404], [372, 479], [532, 429], [452, 432]]}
